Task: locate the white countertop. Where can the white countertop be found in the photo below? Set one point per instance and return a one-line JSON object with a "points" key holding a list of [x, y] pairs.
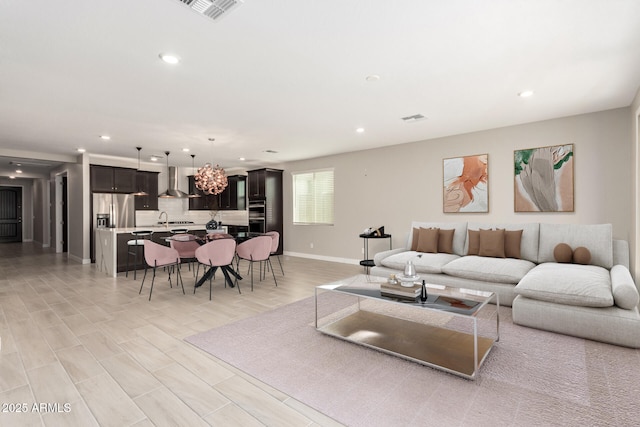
{"points": [[155, 228], [161, 228]]}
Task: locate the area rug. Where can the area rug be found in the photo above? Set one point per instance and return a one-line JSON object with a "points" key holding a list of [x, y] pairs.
{"points": [[531, 377]]}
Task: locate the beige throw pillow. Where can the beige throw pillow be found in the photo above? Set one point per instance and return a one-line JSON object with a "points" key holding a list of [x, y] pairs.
{"points": [[562, 253], [414, 239], [581, 255], [474, 242], [445, 241], [491, 243], [512, 239], [428, 240]]}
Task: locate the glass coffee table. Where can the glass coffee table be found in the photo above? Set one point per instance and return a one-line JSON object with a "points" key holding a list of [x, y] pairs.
{"points": [[453, 330]]}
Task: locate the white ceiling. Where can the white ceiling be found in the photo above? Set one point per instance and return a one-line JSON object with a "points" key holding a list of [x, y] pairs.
{"points": [[289, 75]]}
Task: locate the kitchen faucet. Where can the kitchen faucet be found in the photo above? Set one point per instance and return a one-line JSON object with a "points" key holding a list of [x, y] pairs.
{"points": [[166, 218]]}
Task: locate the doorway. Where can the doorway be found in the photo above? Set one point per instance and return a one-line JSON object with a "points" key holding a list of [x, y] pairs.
{"points": [[61, 214], [635, 250], [65, 222], [10, 214]]}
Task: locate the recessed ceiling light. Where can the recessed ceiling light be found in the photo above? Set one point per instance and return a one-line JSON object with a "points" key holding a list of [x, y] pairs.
{"points": [[372, 78], [525, 93], [105, 137], [18, 171], [242, 159], [154, 158], [186, 150], [169, 58], [12, 177], [80, 150], [360, 130]]}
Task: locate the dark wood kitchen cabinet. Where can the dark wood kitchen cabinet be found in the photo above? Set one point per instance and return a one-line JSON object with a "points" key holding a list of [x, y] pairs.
{"points": [[257, 180], [266, 202], [234, 197], [147, 182], [206, 202], [265, 183], [107, 179]]}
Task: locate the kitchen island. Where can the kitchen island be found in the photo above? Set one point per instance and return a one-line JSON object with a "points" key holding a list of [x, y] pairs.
{"points": [[111, 244]]}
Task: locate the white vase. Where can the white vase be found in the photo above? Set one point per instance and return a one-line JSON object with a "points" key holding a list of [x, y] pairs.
{"points": [[409, 269]]}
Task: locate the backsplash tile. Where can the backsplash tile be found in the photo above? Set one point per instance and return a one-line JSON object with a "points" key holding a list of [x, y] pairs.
{"points": [[178, 210]]}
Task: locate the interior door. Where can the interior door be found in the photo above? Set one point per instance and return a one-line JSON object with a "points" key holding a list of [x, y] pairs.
{"points": [[65, 218], [10, 214]]}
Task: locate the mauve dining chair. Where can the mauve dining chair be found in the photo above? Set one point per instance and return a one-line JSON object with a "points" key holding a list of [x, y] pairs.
{"points": [[161, 256], [213, 236], [253, 250], [217, 253], [275, 243], [186, 246]]}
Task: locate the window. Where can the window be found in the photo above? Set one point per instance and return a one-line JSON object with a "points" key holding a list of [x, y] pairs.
{"points": [[313, 197]]}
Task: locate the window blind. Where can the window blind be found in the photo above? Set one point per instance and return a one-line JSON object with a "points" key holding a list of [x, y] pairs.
{"points": [[313, 197]]}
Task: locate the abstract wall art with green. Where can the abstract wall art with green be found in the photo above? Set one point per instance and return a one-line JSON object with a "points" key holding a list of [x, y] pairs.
{"points": [[544, 179]]}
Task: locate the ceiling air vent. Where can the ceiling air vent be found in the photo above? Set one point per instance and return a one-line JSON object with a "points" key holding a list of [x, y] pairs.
{"points": [[414, 118], [213, 9]]}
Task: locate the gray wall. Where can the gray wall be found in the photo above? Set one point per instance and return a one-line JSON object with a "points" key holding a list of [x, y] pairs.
{"points": [[40, 212], [634, 116], [394, 185], [77, 183], [78, 208]]}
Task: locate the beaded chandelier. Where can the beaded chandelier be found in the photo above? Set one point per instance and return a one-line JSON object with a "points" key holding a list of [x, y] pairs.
{"points": [[211, 180]]}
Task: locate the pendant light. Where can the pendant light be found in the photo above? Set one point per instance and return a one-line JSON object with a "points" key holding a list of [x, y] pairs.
{"points": [[193, 169], [211, 180], [140, 192]]}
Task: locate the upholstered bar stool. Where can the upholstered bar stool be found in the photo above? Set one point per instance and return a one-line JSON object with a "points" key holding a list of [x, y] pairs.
{"points": [[178, 231], [133, 248]]}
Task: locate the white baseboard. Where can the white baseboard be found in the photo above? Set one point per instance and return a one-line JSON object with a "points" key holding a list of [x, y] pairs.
{"points": [[79, 260], [74, 258], [323, 258]]}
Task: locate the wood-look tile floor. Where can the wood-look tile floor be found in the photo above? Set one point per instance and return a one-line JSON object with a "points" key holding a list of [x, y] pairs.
{"points": [[81, 349]]}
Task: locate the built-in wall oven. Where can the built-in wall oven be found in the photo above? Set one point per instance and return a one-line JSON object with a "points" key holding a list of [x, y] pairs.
{"points": [[257, 215]]}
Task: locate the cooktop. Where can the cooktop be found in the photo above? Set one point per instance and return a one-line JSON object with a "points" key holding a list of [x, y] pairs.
{"points": [[176, 222]]}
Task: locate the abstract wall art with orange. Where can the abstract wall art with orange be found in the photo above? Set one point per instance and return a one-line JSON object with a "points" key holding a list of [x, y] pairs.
{"points": [[466, 184]]}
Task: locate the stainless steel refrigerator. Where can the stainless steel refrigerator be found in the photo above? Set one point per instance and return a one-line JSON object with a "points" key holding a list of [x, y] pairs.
{"points": [[121, 209]]}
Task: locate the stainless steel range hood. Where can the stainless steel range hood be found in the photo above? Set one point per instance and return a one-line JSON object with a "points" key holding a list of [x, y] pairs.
{"points": [[172, 185]]}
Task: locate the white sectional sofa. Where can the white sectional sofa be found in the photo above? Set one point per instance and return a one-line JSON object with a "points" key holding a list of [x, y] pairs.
{"points": [[597, 301]]}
